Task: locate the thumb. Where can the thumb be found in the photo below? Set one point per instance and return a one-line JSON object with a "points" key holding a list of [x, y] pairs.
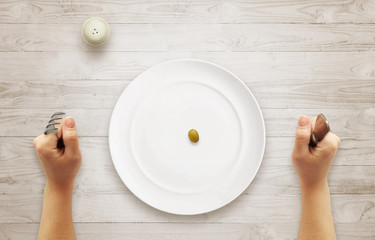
{"points": [[70, 137], [303, 134]]}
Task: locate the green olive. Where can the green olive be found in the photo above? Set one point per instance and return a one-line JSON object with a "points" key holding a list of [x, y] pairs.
{"points": [[193, 135]]}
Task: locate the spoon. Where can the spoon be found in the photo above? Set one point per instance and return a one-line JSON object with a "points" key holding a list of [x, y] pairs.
{"points": [[320, 130]]}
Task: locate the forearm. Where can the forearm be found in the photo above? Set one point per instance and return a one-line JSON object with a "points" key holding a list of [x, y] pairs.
{"points": [[316, 218], [56, 221]]}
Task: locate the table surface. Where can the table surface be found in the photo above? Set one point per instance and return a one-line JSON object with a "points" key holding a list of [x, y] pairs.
{"points": [[297, 57]]}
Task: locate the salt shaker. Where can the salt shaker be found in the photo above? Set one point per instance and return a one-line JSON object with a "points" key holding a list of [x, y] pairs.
{"points": [[95, 31]]}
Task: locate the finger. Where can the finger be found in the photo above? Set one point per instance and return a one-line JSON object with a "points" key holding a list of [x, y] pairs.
{"points": [[59, 128], [36, 141], [330, 141], [45, 142], [303, 134], [70, 137], [313, 121]]}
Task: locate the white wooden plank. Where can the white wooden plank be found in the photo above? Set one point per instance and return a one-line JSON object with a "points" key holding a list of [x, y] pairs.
{"points": [[296, 93], [192, 37], [346, 123], [248, 66], [183, 231], [302, 94], [248, 208], [236, 11], [61, 94], [162, 231]]}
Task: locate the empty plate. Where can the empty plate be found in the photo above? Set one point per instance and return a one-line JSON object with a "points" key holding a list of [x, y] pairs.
{"points": [[151, 150]]}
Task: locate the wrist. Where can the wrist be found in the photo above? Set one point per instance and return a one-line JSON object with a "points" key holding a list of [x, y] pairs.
{"points": [[66, 188], [307, 187]]}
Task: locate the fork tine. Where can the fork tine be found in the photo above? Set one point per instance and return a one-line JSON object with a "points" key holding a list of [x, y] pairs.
{"points": [[52, 124], [53, 119], [50, 127], [57, 113]]}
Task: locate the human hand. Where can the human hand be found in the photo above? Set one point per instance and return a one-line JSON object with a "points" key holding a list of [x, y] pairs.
{"points": [[312, 164], [60, 165]]}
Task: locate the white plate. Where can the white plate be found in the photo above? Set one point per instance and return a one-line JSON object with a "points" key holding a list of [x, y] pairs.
{"points": [[149, 144]]}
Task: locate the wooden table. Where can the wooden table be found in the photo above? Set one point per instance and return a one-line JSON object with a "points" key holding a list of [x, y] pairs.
{"points": [[298, 57]]}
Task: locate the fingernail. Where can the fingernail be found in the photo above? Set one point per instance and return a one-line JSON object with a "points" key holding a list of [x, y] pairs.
{"points": [[303, 121], [69, 122]]}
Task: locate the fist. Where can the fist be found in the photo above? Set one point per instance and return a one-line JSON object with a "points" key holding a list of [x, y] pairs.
{"points": [[312, 164], [60, 164]]}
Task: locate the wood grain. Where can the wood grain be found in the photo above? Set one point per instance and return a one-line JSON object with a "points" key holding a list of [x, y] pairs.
{"points": [[192, 37], [125, 207], [183, 231], [248, 66], [163, 231], [346, 123], [298, 57], [87, 94], [202, 11]]}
